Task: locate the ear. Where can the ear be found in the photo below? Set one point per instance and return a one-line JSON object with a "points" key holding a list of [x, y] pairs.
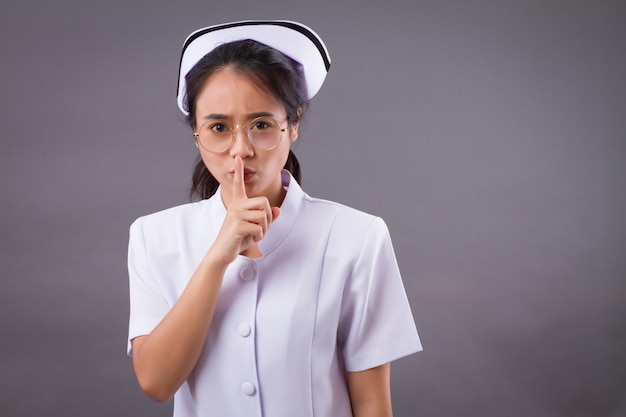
{"points": [[293, 131], [195, 141]]}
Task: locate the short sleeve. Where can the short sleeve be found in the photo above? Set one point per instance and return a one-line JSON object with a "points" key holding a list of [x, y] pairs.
{"points": [[147, 304], [376, 324]]}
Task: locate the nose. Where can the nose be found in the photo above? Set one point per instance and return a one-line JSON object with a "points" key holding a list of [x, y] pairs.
{"points": [[241, 143]]}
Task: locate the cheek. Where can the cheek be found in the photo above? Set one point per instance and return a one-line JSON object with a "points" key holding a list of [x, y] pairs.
{"points": [[284, 156], [209, 163]]}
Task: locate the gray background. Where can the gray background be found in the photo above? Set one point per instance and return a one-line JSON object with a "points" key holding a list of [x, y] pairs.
{"points": [[489, 134]]}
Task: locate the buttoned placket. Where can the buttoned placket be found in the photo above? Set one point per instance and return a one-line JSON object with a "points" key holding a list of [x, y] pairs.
{"points": [[247, 271]]}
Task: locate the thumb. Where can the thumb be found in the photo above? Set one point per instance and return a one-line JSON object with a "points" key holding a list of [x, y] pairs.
{"points": [[239, 185]]}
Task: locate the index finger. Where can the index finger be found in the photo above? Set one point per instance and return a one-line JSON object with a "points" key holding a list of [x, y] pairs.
{"points": [[239, 185]]}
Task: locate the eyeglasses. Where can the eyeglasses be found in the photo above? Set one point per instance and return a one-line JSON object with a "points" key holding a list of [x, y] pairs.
{"points": [[218, 136]]}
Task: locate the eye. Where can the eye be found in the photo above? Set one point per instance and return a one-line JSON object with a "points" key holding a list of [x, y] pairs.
{"points": [[263, 124], [214, 127], [217, 127]]}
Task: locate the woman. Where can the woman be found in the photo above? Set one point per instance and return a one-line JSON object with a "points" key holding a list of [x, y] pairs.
{"points": [[258, 299]]}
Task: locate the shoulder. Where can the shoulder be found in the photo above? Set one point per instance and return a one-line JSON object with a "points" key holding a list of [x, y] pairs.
{"points": [[347, 221], [178, 229], [356, 215], [165, 223]]}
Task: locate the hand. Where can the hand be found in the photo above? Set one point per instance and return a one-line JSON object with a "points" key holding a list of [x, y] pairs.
{"points": [[247, 219]]}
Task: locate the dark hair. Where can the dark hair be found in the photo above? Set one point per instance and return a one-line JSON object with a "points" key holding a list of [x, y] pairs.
{"points": [[268, 68]]}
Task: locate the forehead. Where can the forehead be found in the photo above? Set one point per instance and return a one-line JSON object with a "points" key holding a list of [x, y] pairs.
{"points": [[232, 92]]}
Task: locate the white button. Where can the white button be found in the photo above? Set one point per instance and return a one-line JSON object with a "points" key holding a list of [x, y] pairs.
{"points": [[247, 273], [248, 388], [244, 330]]}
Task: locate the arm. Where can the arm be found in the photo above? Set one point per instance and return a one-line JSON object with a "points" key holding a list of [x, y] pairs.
{"points": [[370, 392], [164, 358]]}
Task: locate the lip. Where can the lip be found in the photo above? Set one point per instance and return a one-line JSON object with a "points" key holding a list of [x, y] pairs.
{"points": [[247, 174]]}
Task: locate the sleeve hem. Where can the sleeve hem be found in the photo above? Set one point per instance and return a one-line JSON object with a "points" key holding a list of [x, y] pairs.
{"points": [[140, 328], [383, 355]]}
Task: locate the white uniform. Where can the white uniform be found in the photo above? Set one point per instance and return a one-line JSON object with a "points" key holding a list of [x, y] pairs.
{"points": [[325, 298]]}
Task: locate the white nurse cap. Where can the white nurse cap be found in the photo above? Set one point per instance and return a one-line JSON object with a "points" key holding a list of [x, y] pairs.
{"points": [[293, 39]]}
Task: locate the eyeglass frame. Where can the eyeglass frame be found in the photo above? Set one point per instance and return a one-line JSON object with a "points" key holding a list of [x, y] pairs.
{"points": [[248, 129]]}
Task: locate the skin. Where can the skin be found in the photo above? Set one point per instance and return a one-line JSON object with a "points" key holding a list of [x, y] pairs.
{"points": [[251, 189]]}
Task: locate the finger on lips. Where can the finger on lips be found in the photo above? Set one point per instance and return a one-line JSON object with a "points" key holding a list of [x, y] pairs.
{"points": [[261, 204], [239, 185]]}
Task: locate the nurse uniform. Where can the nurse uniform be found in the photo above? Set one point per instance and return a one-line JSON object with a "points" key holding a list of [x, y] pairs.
{"points": [[326, 297]]}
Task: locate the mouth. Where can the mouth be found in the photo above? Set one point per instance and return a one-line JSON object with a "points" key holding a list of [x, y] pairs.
{"points": [[247, 174]]}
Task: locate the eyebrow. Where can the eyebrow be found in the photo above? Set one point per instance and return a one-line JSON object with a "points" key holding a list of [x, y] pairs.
{"points": [[250, 116]]}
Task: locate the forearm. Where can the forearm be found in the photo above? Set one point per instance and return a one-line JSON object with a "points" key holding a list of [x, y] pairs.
{"points": [[164, 359], [370, 394], [372, 410]]}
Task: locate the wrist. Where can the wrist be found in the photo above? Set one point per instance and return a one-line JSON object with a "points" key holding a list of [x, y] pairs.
{"points": [[214, 260]]}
